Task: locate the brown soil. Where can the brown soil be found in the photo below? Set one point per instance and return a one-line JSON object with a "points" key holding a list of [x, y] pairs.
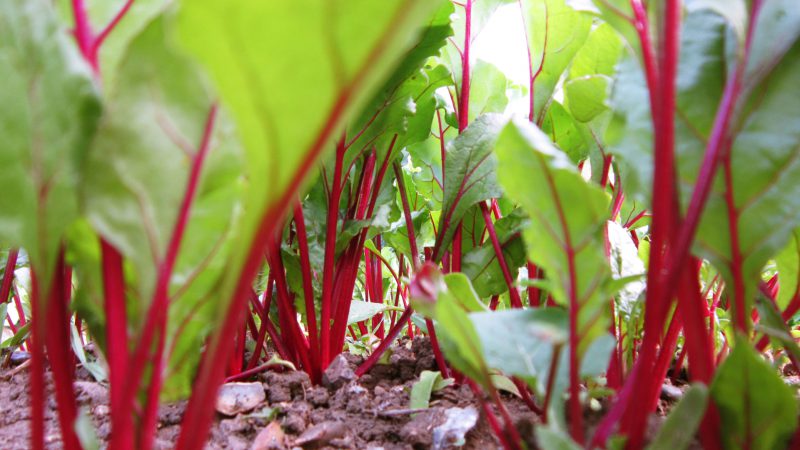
{"points": [[369, 413]]}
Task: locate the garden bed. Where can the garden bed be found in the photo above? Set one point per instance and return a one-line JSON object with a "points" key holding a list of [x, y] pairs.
{"points": [[371, 412]]}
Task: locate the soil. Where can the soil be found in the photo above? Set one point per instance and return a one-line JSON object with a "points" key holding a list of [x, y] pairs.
{"points": [[368, 413]]}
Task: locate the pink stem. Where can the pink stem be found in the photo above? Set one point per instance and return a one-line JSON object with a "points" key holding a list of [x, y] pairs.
{"points": [[330, 250], [156, 314], [516, 301], [308, 290]]}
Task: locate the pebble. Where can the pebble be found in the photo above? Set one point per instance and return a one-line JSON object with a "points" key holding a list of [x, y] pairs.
{"points": [[271, 437], [101, 411], [19, 357], [338, 373], [670, 392], [321, 434], [235, 398]]}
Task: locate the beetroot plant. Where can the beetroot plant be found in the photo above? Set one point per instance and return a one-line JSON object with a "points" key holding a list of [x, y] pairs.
{"points": [[201, 191]]}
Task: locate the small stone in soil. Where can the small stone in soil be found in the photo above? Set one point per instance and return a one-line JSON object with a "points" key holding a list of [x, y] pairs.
{"points": [[321, 434], [271, 437], [19, 357], [454, 430], [670, 392], [101, 411], [235, 398], [417, 432], [338, 373]]}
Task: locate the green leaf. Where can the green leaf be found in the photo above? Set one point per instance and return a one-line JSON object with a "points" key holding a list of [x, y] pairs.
{"points": [[480, 264], [102, 12], [425, 167], [460, 287], [504, 383], [487, 90], [595, 360], [788, 262], [338, 56], [405, 110], [522, 342], [406, 103], [360, 310], [50, 110], [777, 32], [734, 11], [701, 79], [566, 132], [19, 337], [555, 439], [757, 409], [97, 371], [421, 390], [683, 421], [3, 313], [459, 340], [84, 429], [764, 170], [589, 80], [469, 174], [548, 187], [765, 141], [625, 265], [555, 33], [157, 111], [587, 96], [772, 324], [599, 54], [482, 12]]}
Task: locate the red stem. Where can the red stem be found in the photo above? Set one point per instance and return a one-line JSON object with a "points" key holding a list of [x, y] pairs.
{"points": [[516, 301], [494, 423], [200, 410], [287, 315], [55, 328], [101, 37], [394, 331], [718, 145], [575, 409], [437, 352], [661, 85], [155, 322], [510, 428], [147, 429], [308, 291], [8, 276], [412, 237], [741, 316], [37, 389], [551, 379], [463, 121], [330, 251], [463, 101], [84, 34], [344, 289], [267, 322], [118, 353], [442, 146]]}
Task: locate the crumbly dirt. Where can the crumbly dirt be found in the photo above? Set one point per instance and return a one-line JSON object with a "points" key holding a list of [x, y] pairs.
{"points": [[368, 413]]}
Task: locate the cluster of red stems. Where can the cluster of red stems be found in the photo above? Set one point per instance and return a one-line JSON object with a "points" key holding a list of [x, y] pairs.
{"points": [[311, 347]]}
